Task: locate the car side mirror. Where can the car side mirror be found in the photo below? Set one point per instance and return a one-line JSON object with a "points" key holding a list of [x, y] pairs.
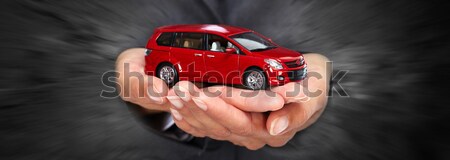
{"points": [[230, 50]]}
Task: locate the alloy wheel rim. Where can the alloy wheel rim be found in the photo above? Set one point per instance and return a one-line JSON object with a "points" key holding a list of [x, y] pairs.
{"points": [[167, 74], [255, 80]]}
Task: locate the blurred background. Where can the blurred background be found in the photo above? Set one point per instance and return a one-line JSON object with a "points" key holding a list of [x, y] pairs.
{"points": [[53, 54]]}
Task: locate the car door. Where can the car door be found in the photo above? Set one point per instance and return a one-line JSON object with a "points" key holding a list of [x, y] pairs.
{"points": [[221, 67], [187, 53]]}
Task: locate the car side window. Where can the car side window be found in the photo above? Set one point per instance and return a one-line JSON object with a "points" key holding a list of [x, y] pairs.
{"points": [[189, 40], [165, 39], [219, 44], [177, 40]]}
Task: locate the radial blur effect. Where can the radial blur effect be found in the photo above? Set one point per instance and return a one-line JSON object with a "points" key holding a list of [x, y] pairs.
{"points": [[53, 55]]}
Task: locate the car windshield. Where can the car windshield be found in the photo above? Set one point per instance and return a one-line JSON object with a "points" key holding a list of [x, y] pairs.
{"points": [[253, 42]]}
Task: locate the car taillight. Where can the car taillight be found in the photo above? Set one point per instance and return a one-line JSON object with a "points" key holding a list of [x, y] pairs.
{"points": [[148, 51]]}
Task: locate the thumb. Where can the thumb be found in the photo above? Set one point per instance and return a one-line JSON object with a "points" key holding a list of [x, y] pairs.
{"points": [[291, 116], [291, 92], [134, 85]]}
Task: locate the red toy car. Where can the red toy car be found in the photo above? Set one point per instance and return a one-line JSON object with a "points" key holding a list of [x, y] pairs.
{"points": [[221, 54]]}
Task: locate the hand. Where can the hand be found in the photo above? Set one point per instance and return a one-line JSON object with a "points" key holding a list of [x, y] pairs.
{"points": [[223, 113], [305, 101], [137, 87], [241, 121]]}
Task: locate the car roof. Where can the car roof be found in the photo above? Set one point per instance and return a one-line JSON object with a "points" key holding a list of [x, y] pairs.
{"points": [[208, 28]]}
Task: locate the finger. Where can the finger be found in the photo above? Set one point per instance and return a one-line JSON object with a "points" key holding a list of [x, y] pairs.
{"points": [[183, 125], [198, 112], [253, 144], [297, 114], [211, 127], [262, 134], [248, 100], [186, 90], [127, 62], [151, 90], [250, 143], [280, 140], [259, 125], [179, 105], [134, 85], [291, 92], [235, 120], [233, 138], [291, 116]]}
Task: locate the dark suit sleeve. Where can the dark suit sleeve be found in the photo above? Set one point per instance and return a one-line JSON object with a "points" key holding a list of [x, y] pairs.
{"points": [[159, 123]]}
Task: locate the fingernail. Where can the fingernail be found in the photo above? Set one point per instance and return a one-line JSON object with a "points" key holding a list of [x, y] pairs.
{"points": [[175, 101], [176, 114], [279, 125], [156, 99], [200, 104], [185, 94]]}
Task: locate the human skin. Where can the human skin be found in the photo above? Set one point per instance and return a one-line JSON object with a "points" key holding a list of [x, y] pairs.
{"points": [[244, 117]]}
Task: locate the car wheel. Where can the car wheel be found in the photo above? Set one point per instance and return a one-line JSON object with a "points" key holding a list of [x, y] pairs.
{"points": [[168, 74], [255, 79]]}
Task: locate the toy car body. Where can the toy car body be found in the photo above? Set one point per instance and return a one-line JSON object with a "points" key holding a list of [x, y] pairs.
{"points": [[221, 54]]}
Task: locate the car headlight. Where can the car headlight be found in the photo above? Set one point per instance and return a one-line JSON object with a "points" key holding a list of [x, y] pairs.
{"points": [[274, 63], [302, 60]]}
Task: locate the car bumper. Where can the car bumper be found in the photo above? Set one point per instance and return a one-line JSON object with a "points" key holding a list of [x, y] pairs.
{"points": [[286, 75]]}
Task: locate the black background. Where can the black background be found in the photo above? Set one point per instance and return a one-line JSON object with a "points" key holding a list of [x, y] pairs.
{"points": [[53, 54]]}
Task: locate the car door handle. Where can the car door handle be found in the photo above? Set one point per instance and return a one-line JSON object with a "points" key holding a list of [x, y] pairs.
{"points": [[197, 54], [210, 56]]}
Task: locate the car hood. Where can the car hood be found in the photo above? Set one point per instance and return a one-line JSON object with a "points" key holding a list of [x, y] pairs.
{"points": [[280, 53]]}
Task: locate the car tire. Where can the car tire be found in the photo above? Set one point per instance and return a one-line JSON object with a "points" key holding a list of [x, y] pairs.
{"points": [[255, 79], [168, 74]]}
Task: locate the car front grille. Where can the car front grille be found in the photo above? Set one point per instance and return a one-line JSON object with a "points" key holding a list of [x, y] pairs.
{"points": [[296, 63], [297, 74]]}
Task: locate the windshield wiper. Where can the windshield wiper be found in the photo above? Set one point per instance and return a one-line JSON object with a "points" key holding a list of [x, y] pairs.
{"points": [[262, 49]]}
